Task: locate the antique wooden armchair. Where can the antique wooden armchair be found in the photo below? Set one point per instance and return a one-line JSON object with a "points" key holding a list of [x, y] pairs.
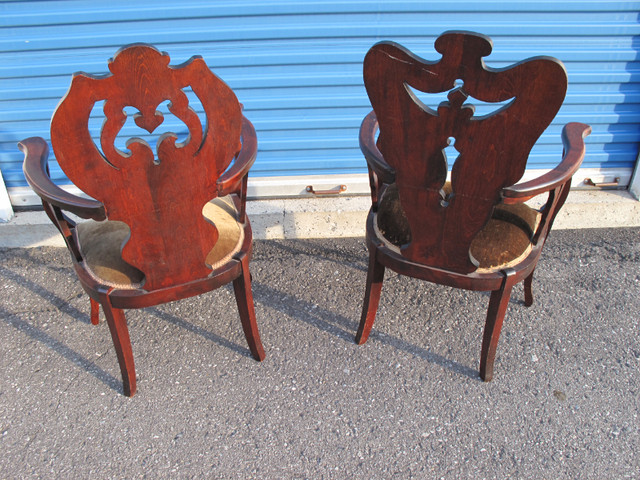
{"points": [[474, 232], [162, 225]]}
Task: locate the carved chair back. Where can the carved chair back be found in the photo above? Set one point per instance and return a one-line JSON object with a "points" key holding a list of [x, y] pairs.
{"points": [[160, 195], [492, 149]]}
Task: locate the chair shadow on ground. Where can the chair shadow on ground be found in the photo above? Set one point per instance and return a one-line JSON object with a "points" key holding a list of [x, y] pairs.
{"points": [[345, 328], [57, 303], [53, 302], [308, 312], [206, 334], [60, 348], [321, 248], [61, 304], [339, 325]]}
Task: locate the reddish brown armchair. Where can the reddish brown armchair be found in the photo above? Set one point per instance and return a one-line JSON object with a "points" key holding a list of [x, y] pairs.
{"points": [[162, 225], [474, 232]]}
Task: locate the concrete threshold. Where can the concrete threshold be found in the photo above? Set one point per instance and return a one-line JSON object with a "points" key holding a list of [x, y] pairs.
{"points": [[335, 217]]}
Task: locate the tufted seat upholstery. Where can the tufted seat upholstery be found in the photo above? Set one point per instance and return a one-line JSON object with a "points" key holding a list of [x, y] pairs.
{"points": [[101, 245], [504, 240]]}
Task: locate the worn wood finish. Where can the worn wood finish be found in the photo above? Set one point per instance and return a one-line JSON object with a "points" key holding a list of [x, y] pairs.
{"points": [[244, 299], [498, 304], [572, 139], [493, 150], [36, 172], [413, 136], [159, 195], [131, 185], [122, 343], [375, 277], [95, 312]]}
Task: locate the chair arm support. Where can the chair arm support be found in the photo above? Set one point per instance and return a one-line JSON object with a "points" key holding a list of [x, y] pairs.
{"points": [[573, 135], [374, 158], [230, 180], [35, 168]]}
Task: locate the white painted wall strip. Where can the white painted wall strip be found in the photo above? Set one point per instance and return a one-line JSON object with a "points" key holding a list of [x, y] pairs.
{"points": [[6, 210]]}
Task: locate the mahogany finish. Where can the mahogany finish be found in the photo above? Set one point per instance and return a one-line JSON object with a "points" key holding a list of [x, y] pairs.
{"points": [[493, 149], [159, 195]]}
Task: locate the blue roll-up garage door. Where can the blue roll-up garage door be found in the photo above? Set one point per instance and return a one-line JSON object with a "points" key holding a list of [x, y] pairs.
{"points": [[297, 68]]}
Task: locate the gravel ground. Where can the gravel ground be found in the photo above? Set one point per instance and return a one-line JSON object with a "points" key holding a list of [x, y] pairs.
{"points": [[564, 402]]}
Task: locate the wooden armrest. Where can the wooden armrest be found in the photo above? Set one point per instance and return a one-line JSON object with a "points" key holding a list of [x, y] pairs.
{"points": [[573, 135], [232, 178], [374, 158], [36, 153]]}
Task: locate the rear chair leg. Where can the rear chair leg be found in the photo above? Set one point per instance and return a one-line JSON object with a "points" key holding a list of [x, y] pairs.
{"points": [[528, 292], [495, 316], [244, 299], [375, 276], [95, 312], [121, 341]]}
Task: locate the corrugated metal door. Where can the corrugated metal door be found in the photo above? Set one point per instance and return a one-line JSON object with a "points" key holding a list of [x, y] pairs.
{"points": [[297, 68]]}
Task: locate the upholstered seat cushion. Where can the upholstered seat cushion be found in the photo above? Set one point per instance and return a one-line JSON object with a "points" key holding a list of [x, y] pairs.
{"points": [[503, 240], [101, 245]]}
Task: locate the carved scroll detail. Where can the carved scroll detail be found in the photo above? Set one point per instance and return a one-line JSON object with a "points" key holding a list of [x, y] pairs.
{"points": [[161, 200], [493, 149]]}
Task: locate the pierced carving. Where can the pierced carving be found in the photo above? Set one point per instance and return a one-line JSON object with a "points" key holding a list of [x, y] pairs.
{"points": [[160, 198], [493, 149]]}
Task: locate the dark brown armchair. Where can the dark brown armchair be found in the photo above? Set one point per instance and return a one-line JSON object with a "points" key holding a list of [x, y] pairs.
{"points": [[475, 232], [162, 225]]}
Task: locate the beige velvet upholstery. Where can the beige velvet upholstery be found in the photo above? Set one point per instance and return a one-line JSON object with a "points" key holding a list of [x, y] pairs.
{"points": [[101, 245], [503, 240]]}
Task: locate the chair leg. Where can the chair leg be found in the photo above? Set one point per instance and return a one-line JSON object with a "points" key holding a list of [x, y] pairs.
{"points": [[95, 312], [495, 316], [244, 299], [121, 341], [528, 292], [375, 277]]}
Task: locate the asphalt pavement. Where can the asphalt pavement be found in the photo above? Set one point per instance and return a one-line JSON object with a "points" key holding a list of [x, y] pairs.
{"points": [[564, 402]]}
